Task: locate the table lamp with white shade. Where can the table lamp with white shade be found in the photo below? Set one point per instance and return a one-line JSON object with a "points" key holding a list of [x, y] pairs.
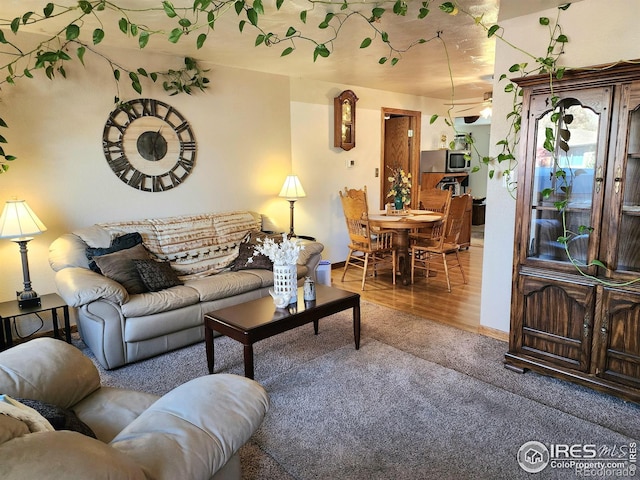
{"points": [[18, 223], [292, 190]]}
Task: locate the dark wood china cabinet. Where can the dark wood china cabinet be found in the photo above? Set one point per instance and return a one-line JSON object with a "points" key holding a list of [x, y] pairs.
{"points": [[579, 325]]}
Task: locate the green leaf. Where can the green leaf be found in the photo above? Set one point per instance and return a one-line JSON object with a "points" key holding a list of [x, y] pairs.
{"points": [[543, 21], [134, 29], [62, 55], [239, 6], [492, 30], [2, 139], [366, 42], [200, 40], [447, 7], [80, 52], [514, 68], [123, 24], [252, 15], [322, 51], [562, 39], [291, 31], [2, 38], [143, 39], [598, 263], [27, 73], [154, 76], [49, 72], [286, 51], [169, 10], [85, 6], [175, 35], [143, 72], [382, 60], [137, 87], [279, 4], [377, 13], [116, 74], [564, 7], [303, 16], [62, 71], [184, 22], [98, 36], [3, 123], [72, 32], [259, 40], [400, 8], [48, 10], [385, 37], [491, 174], [15, 24], [211, 19], [258, 7], [26, 17], [241, 25], [423, 13]]}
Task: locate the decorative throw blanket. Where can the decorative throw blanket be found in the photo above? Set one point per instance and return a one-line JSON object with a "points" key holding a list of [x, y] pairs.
{"points": [[27, 415]]}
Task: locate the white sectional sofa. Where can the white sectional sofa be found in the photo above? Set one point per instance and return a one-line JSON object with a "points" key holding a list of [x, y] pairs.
{"points": [[207, 254]]}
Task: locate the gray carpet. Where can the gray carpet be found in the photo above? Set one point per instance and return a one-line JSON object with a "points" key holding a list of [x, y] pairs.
{"points": [[419, 400]]}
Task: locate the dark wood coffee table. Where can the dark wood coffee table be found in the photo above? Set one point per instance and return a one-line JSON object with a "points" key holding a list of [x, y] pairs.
{"points": [[256, 320]]}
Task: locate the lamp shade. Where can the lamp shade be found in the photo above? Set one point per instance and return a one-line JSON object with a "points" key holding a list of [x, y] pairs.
{"points": [[292, 188], [19, 221]]}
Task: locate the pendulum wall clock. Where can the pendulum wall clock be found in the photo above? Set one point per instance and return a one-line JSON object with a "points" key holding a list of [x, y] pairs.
{"points": [[344, 120], [149, 145]]}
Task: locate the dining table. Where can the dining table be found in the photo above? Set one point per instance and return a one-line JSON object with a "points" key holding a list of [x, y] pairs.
{"points": [[402, 224]]}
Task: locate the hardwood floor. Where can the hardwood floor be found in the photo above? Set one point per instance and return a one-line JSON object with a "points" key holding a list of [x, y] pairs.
{"points": [[460, 308]]}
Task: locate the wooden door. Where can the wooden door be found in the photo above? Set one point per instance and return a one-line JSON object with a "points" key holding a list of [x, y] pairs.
{"points": [[396, 148], [400, 147]]}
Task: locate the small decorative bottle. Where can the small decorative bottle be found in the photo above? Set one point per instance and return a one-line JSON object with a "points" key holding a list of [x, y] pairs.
{"points": [[309, 290]]}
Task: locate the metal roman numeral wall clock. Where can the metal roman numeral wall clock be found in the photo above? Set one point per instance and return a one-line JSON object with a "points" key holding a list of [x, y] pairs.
{"points": [[149, 145]]}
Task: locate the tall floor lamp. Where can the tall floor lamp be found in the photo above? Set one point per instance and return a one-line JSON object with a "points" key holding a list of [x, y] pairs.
{"points": [[18, 223], [292, 190]]}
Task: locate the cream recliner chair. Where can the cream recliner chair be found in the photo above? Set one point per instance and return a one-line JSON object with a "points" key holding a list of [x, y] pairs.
{"points": [[192, 432]]}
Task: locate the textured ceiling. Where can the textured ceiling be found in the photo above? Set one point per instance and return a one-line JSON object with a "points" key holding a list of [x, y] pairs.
{"points": [[423, 70]]}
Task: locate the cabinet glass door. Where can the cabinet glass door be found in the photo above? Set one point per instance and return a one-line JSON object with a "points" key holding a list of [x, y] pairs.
{"points": [[567, 177], [626, 185]]}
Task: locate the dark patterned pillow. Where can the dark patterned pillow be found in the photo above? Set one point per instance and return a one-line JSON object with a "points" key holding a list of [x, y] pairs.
{"points": [[122, 242], [119, 266], [59, 418], [156, 275], [247, 251]]}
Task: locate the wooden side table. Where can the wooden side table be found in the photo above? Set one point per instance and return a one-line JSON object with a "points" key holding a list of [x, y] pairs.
{"points": [[50, 302]]}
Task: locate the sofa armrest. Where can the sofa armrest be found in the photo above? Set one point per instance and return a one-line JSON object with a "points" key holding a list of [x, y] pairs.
{"points": [[79, 286], [64, 454], [196, 428]]}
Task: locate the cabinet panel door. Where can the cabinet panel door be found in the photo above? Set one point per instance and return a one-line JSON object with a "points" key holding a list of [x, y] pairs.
{"points": [[566, 147], [557, 321], [617, 342]]}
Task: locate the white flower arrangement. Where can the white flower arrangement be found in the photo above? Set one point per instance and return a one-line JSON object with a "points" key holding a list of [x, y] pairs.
{"points": [[280, 253]]}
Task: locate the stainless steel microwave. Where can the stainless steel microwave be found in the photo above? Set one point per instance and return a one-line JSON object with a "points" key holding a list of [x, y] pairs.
{"points": [[447, 161]]}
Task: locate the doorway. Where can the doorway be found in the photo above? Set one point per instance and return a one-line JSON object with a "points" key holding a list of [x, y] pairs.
{"points": [[400, 148]]}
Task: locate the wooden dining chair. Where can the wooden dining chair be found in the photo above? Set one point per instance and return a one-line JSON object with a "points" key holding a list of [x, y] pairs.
{"points": [[442, 241], [366, 246], [434, 199]]}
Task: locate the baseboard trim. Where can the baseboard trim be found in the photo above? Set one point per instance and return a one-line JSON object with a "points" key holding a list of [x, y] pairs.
{"points": [[493, 333]]}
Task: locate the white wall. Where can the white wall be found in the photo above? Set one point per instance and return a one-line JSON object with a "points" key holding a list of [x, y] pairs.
{"points": [[242, 126], [598, 34], [481, 139]]}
